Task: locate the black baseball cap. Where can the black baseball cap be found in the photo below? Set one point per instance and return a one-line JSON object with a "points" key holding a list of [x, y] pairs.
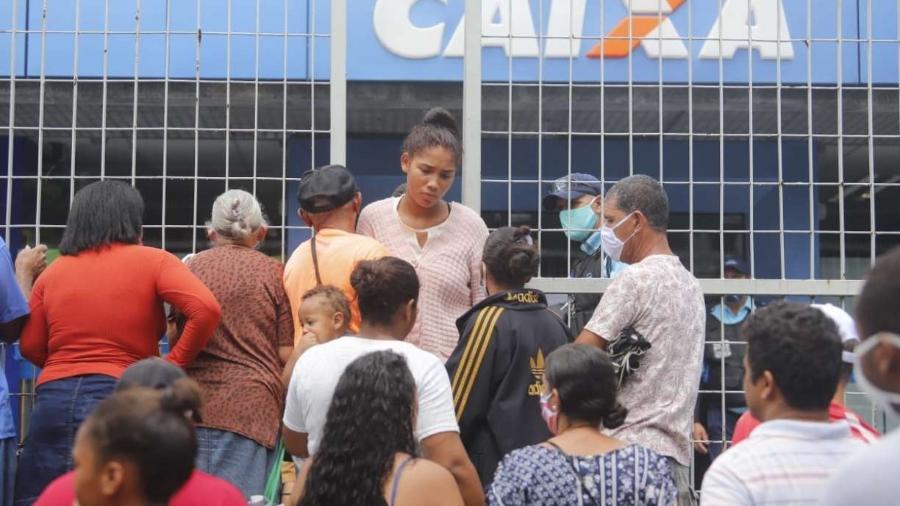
{"points": [[326, 188], [571, 187]]}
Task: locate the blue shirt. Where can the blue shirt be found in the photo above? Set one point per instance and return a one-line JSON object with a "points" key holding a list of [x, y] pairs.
{"points": [[12, 305], [727, 317]]}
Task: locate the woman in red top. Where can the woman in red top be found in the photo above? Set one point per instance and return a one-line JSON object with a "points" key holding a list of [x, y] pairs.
{"points": [[96, 310]]}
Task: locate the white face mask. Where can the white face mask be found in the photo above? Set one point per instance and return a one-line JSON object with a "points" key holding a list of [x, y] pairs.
{"points": [[887, 400], [611, 243]]}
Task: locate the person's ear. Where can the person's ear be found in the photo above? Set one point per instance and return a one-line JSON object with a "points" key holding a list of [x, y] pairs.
{"points": [[768, 386], [554, 400], [305, 217], [112, 475], [411, 310], [405, 162], [357, 202], [262, 233], [337, 321], [211, 234]]}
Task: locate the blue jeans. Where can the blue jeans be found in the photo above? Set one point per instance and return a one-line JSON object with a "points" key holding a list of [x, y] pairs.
{"points": [[718, 429], [7, 470], [236, 459], [59, 408]]}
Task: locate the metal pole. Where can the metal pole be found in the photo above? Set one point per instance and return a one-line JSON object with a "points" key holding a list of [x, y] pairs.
{"points": [[471, 175], [338, 81]]}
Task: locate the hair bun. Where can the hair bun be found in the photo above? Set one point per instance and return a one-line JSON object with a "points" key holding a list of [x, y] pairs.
{"points": [[616, 417], [440, 117], [182, 396]]}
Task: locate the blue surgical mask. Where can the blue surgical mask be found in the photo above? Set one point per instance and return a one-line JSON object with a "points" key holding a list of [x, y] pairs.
{"points": [[579, 223]]}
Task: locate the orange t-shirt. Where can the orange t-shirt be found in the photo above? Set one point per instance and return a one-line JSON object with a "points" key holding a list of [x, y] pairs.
{"points": [[338, 253], [101, 310]]}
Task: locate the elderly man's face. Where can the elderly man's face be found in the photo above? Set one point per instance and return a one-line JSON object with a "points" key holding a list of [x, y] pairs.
{"points": [[612, 215]]}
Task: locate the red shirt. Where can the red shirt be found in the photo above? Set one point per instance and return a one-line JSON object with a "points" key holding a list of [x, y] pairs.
{"points": [[858, 427], [101, 310], [201, 489]]}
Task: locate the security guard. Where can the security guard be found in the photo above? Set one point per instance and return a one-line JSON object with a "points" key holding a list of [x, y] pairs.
{"points": [[577, 198]]}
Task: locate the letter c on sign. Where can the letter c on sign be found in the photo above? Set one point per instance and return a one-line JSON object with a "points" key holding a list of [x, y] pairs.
{"points": [[399, 35]]}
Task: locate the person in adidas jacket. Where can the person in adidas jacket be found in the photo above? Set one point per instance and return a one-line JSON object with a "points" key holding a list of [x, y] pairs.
{"points": [[498, 364]]}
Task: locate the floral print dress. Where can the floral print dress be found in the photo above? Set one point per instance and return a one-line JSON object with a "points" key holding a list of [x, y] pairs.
{"points": [[540, 475]]}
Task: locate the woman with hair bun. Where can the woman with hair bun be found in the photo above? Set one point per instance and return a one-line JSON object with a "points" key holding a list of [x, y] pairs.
{"points": [[240, 370], [497, 365], [137, 446], [443, 241], [580, 465], [387, 290]]}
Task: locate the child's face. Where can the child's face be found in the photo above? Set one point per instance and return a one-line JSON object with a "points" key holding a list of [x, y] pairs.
{"points": [[320, 321]]}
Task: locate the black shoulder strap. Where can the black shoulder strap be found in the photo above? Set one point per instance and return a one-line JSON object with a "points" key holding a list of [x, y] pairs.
{"points": [[315, 259]]}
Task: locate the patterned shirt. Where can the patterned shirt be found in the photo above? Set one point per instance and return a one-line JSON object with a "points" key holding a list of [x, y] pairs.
{"points": [[783, 462], [545, 476], [664, 303], [239, 371], [449, 268]]}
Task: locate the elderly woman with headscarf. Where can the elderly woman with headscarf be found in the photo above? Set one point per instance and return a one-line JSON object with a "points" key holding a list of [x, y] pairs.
{"points": [[239, 371]]}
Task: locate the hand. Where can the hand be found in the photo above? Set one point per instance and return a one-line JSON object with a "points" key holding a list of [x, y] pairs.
{"points": [[31, 261], [700, 439]]}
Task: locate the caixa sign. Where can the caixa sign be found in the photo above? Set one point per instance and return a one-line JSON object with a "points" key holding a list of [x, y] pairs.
{"points": [[646, 24], [759, 41]]}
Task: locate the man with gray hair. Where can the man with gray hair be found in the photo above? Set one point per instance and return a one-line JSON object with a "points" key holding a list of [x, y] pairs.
{"points": [[660, 300]]}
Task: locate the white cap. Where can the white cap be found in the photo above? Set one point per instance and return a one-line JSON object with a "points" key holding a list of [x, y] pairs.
{"points": [[845, 324]]}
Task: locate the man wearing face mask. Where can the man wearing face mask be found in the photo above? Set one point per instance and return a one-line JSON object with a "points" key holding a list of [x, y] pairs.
{"points": [[877, 372], [577, 197], [662, 301], [723, 366]]}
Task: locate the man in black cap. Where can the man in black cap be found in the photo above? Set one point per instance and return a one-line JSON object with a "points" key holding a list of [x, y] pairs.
{"points": [[330, 203], [577, 198], [723, 366]]}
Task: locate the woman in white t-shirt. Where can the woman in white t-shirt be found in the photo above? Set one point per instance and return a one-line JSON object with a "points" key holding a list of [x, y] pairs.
{"points": [[387, 292], [376, 395]]}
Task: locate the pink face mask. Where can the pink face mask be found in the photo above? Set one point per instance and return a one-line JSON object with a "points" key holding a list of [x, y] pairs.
{"points": [[547, 413]]}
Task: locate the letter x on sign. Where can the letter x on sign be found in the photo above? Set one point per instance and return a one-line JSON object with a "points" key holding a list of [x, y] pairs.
{"points": [[645, 19]]}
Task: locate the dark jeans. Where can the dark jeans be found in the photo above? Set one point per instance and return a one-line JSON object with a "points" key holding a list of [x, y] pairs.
{"points": [[59, 408], [718, 429]]}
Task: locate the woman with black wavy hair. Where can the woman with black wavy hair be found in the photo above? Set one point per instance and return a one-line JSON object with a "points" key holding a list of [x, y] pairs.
{"points": [[581, 465], [367, 453]]}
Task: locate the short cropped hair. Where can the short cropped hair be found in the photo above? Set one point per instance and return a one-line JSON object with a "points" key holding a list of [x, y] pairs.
{"points": [[645, 194], [333, 296], [801, 347]]}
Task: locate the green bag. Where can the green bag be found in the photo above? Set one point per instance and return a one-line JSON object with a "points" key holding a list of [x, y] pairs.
{"points": [[273, 482]]}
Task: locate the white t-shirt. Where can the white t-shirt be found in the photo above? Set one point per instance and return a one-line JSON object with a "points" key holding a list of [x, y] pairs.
{"points": [[317, 373], [782, 462], [663, 302], [868, 477]]}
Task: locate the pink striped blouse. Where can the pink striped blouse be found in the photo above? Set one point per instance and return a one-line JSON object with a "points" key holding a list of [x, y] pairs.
{"points": [[449, 267]]}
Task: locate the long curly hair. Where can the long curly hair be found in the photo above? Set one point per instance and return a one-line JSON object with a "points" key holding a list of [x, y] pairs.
{"points": [[369, 421]]}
